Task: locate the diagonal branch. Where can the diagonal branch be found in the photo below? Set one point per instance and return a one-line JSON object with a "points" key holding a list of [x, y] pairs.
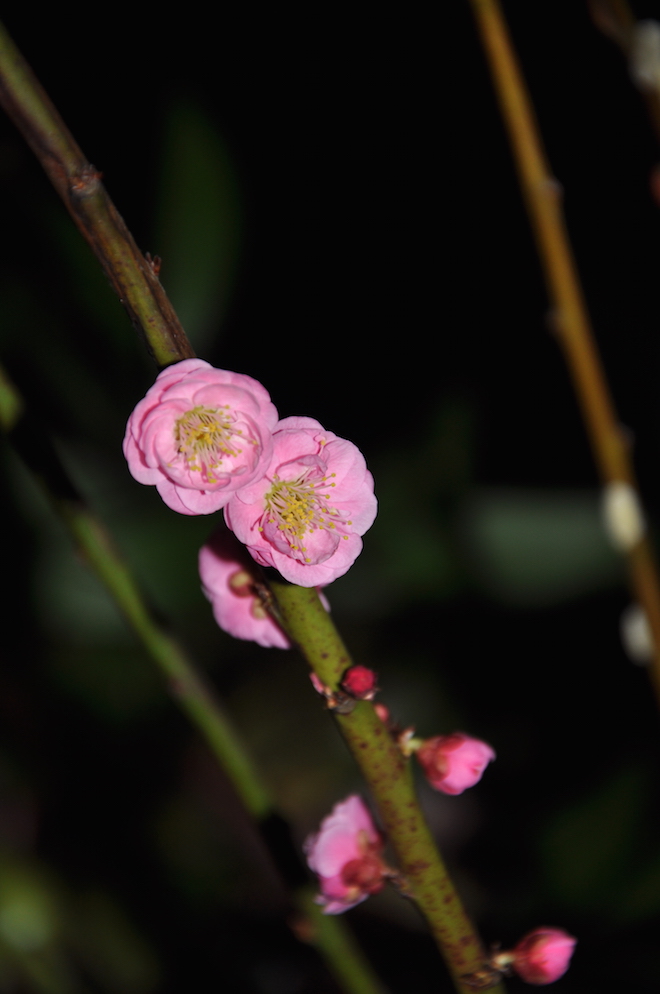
{"points": [[385, 770], [189, 689], [79, 185]]}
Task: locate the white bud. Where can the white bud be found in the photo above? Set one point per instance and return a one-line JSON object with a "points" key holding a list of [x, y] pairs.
{"points": [[623, 517], [636, 635], [645, 55]]}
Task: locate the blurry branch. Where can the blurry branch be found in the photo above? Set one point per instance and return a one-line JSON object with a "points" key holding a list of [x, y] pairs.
{"points": [[542, 195], [615, 19], [640, 43], [78, 183], [189, 689], [385, 770]]}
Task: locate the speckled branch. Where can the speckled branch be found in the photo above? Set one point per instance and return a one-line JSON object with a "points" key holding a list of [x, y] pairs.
{"points": [[389, 778], [309, 625], [79, 185]]}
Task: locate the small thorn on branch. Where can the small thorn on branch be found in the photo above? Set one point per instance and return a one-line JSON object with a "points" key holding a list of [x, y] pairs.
{"points": [[155, 262]]}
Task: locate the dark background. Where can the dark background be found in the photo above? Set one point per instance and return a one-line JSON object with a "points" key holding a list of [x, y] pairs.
{"points": [[334, 201]]}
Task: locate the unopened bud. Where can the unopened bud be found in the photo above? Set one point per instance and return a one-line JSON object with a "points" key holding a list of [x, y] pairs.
{"points": [[543, 955], [622, 516], [360, 682], [383, 712], [645, 54], [452, 763], [636, 635]]}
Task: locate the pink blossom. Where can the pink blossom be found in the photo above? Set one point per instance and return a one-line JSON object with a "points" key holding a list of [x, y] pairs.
{"points": [[346, 855], [305, 516], [452, 763], [543, 955], [227, 578], [200, 434]]}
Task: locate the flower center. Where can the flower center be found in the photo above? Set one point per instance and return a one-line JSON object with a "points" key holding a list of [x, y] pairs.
{"points": [[366, 873], [296, 507], [205, 436]]}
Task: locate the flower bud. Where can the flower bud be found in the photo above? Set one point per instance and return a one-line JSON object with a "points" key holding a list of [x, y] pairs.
{"points": [[383, 712], [543, 956], [452, 763], [346, 855], [360, 682]]}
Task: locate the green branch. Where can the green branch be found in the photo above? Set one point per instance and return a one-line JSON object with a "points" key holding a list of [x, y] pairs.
{"points": [[385, 770], [389, 778], [189, 689]]}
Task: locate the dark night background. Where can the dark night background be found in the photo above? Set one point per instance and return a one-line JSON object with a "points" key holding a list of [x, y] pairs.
{"points": [[332, 195]]}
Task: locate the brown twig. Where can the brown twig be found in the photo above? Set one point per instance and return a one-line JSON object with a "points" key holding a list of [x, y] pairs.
{"points": [[79, 185], [543, 199], [617, 21]]}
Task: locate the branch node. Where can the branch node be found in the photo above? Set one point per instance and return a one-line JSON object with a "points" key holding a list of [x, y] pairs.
{"points": [[86, 183]]}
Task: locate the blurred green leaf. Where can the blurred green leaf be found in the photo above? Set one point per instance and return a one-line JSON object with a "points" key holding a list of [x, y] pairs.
{"points": [[588, 850], [199, 221], [643, 897], [111, 948], [537, 547]]}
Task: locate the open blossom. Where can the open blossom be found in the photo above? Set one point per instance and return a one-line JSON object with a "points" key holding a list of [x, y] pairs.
{"points": [[228, 581], [543, 955], [346, 855], [226, 572], [200, 434], [305, 516], [452, 763]]}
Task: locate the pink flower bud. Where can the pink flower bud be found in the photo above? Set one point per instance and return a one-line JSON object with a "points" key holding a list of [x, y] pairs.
{"points": [[200, 434], [452, 763], [318, 684], [360, 682], [228, 581], [306, 513], [383, 712], [543, 955], [346, 855]]}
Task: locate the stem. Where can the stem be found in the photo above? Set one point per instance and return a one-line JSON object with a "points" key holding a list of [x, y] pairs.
{"points": [[387, 773], [543, 200], [616, 20], [389, 777], [340, 949], [79, 185], [192, 693]]}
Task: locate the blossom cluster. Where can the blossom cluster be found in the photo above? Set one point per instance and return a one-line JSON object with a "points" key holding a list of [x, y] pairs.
{"points": [[347, 855], [298, 497]]}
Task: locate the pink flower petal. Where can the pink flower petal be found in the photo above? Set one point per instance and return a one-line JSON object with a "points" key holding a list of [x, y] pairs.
{"points": [[346, 855], [225, 571], [199, 435], [306, 516]]}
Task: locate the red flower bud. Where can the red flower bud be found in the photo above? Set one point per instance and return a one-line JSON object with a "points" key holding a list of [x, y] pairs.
{"points": [[360, 682]]}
